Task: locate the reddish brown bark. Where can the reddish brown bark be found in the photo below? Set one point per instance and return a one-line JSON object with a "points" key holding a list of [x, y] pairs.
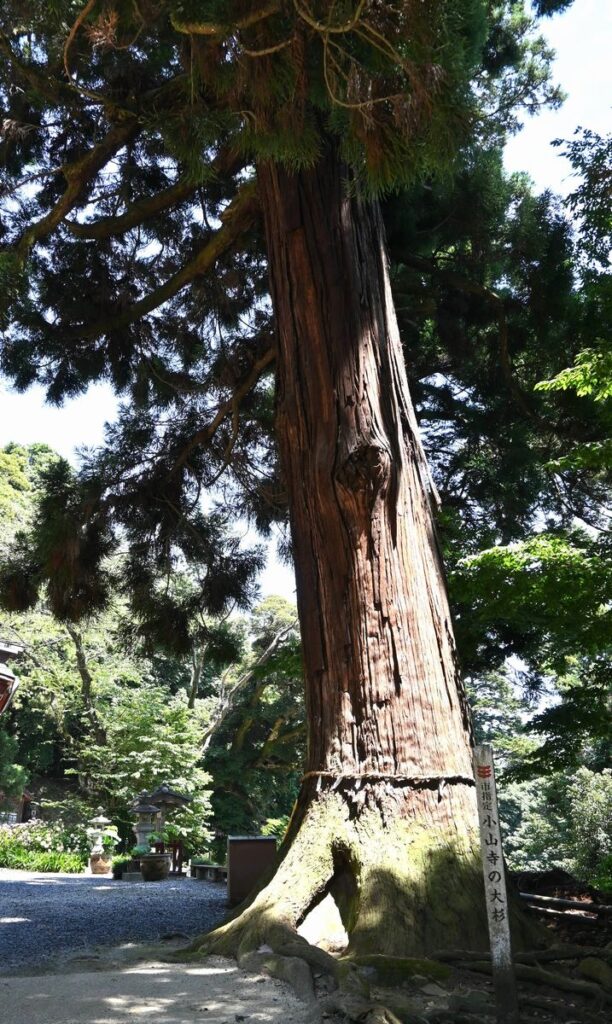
{"points": [[382, 689], [386, 820], [385, 823]]}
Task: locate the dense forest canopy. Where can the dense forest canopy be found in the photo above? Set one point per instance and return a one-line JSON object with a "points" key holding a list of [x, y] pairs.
{"points": [[203, 179], [478, 263]]}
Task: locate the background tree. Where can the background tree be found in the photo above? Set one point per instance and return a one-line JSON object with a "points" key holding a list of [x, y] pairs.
{"points": [[98, 718], [254, 745]]}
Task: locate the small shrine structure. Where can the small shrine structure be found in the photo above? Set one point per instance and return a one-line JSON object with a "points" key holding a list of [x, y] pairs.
{"points": [[152, 810], [8, 679]]}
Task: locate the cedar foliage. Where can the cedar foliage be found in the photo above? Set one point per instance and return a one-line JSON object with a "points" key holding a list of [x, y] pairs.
{"points": [[128, 141]]}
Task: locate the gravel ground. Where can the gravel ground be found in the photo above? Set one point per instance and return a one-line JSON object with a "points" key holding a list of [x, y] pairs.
{"points": [[42, 915]]}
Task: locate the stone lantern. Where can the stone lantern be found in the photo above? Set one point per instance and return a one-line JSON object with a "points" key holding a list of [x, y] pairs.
{"points": [[8, 681], [99, 825], [166, 798], [100, 860], [146, 819]]}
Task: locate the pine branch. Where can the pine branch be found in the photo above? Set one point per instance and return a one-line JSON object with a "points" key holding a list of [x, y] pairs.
{"points": [[203, 28], [79, 175], [466, 284], [44, 82], [267, 50], [81, 17], [236, 219], [227, 162], [136, 214], [206, 434], [327, 27]]}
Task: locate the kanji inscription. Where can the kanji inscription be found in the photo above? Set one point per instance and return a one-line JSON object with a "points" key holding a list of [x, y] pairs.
{"points": [[496, 896]]}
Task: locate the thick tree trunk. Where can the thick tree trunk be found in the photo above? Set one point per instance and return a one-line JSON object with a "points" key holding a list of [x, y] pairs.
{"points": [[382, 690], [386, 817]]}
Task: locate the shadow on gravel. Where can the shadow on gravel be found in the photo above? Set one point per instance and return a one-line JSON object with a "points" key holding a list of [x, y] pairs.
{"points": [[44, 917]]}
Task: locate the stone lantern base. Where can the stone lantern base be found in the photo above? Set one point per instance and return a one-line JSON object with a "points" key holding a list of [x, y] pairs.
{"points": [[100, 863]]}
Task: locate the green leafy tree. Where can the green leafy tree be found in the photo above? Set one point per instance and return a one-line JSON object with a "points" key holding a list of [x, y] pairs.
{"points": [[255, 739], [72, 680], [551, 817], [150, 739], [20, 473], [563, 822], [12, 775]]}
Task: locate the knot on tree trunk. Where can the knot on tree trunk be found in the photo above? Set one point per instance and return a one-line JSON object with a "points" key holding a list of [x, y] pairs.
{"points": [[365, 472]]}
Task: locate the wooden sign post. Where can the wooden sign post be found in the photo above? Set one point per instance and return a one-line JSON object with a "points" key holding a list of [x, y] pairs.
{"points": [[504, 982]]}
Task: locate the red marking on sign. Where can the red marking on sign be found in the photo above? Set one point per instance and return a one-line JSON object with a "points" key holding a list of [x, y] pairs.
{"points": [[484, 771]]}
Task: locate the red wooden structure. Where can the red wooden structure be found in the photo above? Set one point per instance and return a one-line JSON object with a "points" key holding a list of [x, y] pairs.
{"points": [[8, 682]]}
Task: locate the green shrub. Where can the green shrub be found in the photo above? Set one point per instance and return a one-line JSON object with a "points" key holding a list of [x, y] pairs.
{"points": [[20, 859], [140, 850], [275, 826], [70, 863], [43, 846], [601, 877], [120, 863]]}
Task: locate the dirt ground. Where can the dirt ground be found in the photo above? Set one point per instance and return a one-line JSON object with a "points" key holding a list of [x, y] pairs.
{"points": [[124, 986]]}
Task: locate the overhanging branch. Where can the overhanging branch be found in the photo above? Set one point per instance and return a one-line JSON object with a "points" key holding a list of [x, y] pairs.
{"points": [[81, 17], [242, 683], [227, 162], [45, 82], [78, 174], [465, 284], [236, 218], [206, 434], [138, 213], [212, 29]]}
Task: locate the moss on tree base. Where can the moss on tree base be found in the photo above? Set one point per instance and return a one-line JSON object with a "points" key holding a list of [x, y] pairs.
{"points": [[405, 884], [403, 868]]}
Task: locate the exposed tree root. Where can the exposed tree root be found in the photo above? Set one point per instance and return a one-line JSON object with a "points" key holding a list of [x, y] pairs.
{"points": [[419, 873], [402, 884], [542, 977], [561, 1010], [551, 954], [404, 879]]}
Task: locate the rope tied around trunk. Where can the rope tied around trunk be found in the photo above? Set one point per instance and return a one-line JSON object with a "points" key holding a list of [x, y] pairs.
{"points": [[339, 777]]}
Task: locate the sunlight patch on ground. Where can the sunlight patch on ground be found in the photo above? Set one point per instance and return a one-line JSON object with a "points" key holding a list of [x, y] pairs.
{"points": [[155, 971], [138, 1006]]}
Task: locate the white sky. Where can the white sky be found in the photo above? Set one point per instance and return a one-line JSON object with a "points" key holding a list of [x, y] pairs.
{"points": [[582, 38]]}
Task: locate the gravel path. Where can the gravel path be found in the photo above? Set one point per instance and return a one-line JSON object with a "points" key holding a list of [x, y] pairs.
{"points": [[42, 915]]}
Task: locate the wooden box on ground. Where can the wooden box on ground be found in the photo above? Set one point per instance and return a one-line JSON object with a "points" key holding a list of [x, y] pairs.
{"points": [[247, 859]]}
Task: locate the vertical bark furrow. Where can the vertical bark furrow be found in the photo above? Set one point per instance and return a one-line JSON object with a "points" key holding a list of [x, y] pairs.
{"points": [[381, 678]]}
